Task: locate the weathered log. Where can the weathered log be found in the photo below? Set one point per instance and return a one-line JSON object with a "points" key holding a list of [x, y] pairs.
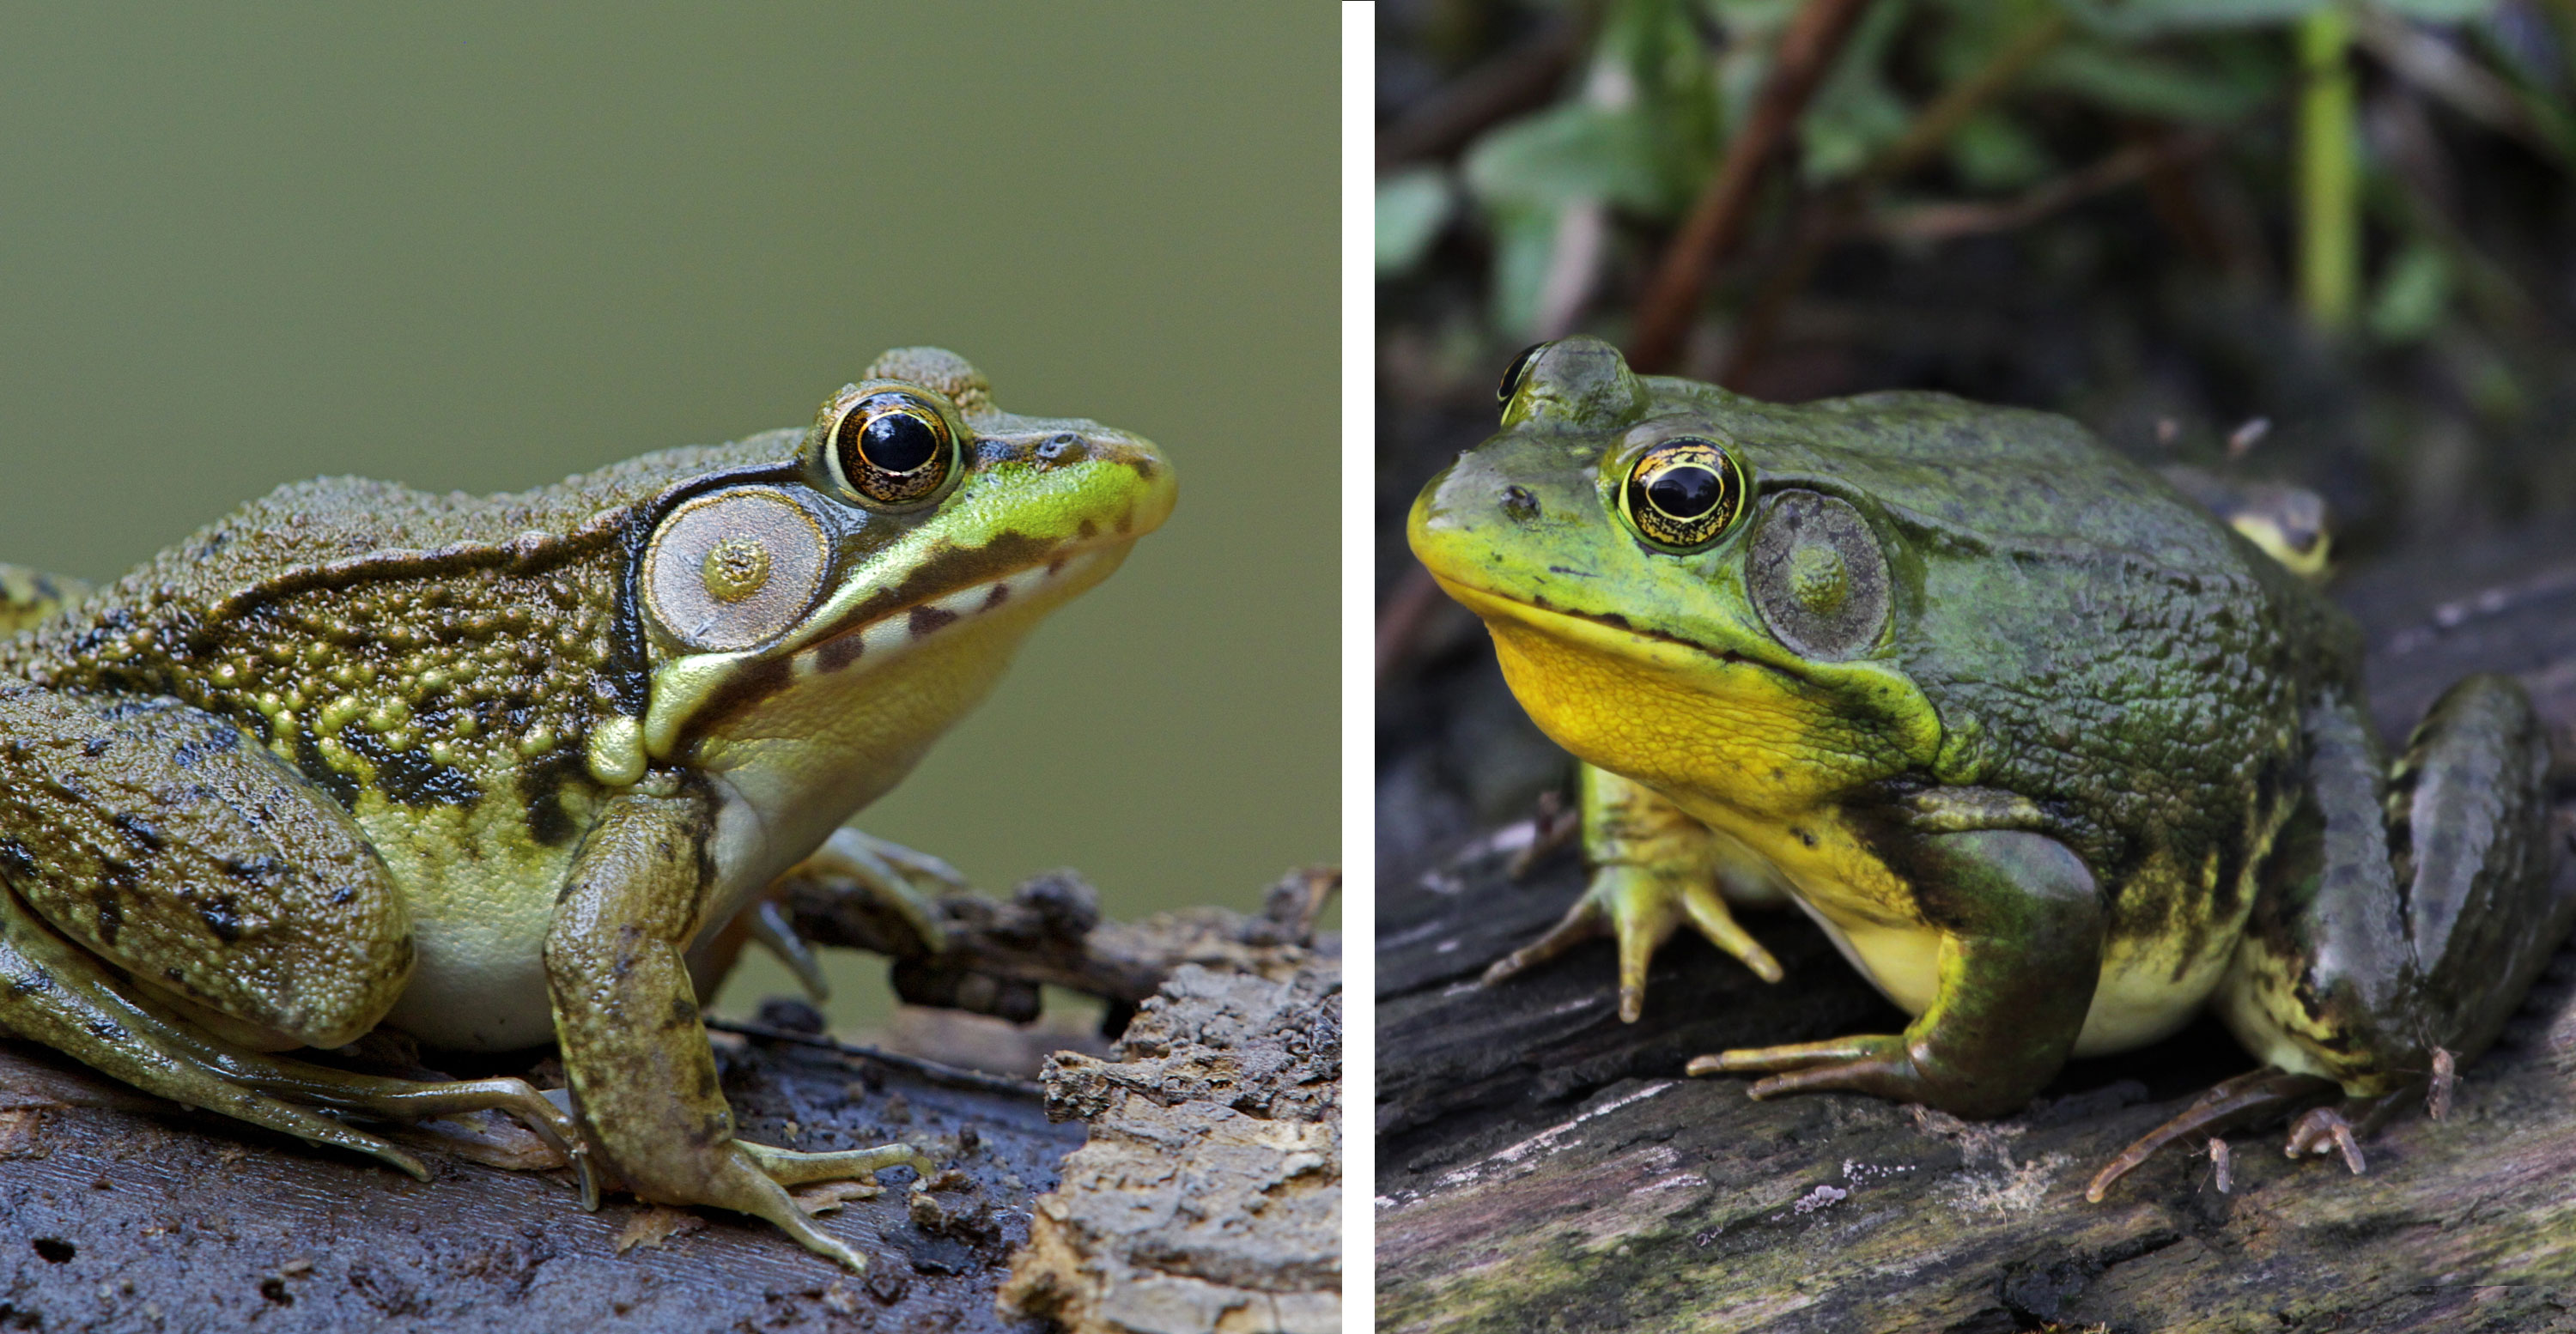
{"points": [[1543, 1166], [119, 1211]]}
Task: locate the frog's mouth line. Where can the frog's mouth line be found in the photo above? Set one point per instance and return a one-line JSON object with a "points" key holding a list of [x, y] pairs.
{"points": [[1606, 630], [874, 641]]}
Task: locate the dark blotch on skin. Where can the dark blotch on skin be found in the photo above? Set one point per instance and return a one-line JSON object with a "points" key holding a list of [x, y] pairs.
{"points": [[137, 829], [308, 759], [111, 916], [1000, 594], [541, 783], [683, 1012], [223, 916], [838, 653], [410, 776], [216, 740], [927, 619], [15, 860]]}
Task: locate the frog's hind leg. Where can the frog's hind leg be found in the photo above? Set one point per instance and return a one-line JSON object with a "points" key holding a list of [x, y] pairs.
{"points": [[2406, 912], [53, 994]]}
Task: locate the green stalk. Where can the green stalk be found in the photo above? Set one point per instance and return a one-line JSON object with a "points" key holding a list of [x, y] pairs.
{"points": [[2329, 194]]}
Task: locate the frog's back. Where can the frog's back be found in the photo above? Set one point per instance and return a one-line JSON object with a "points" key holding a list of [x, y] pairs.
{"points": [[331, 535]]}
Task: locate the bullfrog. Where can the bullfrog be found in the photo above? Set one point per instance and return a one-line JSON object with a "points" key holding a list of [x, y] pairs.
{"points": [[486, 770], [2056, 759]]}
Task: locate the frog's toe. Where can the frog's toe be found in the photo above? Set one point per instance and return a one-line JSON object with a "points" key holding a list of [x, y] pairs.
{"points": [[1707, 910], [1584, 921], [892, 877], [1877, 1064], [788, 1167], [2323, 1130]]}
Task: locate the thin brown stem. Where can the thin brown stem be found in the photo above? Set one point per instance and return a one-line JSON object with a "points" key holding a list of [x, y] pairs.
{"points": [[1716, 222]]}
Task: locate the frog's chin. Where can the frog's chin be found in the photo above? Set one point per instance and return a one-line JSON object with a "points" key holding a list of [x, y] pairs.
{"points": [[853, 714]]}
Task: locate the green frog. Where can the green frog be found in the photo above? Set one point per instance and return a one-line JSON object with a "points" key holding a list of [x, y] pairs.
{"points": [[2055, 758], [486, 770]]}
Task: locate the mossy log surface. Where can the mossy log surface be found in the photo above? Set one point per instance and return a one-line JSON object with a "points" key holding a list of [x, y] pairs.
{"points": [[1543, 1166]]}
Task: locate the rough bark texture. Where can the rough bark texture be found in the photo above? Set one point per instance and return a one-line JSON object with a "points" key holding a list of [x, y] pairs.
{"points": [[1209, 1195], [1543, 1166], [122, 1212]]}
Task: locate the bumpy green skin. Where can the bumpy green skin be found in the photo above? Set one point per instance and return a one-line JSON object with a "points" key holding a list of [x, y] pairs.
{"points": [[356, 754], [2090, 761]]}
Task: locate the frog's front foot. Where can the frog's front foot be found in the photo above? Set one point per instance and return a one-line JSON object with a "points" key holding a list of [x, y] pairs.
{"points": [[888, 877], [1642, 906], [1885, 1065]]}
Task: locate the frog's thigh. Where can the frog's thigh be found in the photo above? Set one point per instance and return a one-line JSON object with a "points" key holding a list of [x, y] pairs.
{"points": [[2345, 973], [641, 1072], [51, 992], [159, 838]]}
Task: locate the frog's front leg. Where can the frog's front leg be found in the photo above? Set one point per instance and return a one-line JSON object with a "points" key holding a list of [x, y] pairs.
{"points": [[1654, 868], [2021, 935], [2403, 915], [643, 1077]]}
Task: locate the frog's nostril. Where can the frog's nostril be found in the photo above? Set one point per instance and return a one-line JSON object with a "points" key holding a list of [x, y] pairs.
{"points": [[1518, 503], [1059, 447]]}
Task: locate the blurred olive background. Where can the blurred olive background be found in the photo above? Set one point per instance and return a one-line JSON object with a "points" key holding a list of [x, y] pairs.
{"points": [[484, 246]]}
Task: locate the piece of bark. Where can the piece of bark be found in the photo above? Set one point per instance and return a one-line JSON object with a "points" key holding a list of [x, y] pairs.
{"points": [[1208, 1195], [1538, 1156]]}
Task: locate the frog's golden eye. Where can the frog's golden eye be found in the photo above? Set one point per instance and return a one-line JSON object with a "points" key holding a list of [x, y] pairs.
{"points": [[892, 449], [1512, 375], [1683, 494]]}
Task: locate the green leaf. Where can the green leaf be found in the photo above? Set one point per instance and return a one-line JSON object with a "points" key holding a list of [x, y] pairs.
{"points": [[2413, 295], [2158, 18], [1524, 243], [2144, 84], [1412, 207], [1855, 112], [1573, 152], [1991, 152]]}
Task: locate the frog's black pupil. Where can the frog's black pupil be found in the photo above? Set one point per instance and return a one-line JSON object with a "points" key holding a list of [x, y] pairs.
{"points": [[1512, 376], [1686, 492], [898, 442]]}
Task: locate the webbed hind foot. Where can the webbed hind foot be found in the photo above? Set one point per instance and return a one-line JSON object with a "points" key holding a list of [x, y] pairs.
{"points": [[2325, 1123]]}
